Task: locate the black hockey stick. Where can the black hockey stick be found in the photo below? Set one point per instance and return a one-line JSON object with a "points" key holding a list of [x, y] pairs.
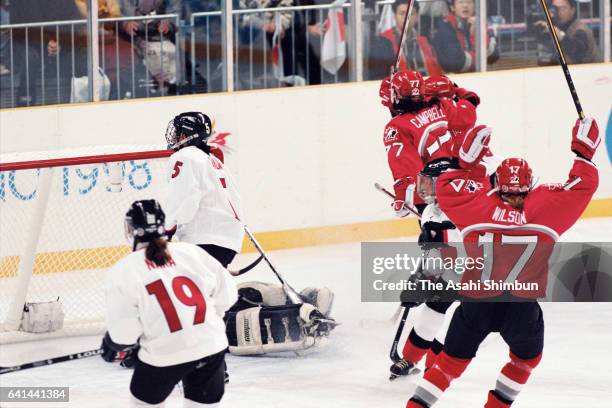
{"points": [[393, 354], [392, 196], [291, 293], [566, 72], [246, 268], [49, 361]]}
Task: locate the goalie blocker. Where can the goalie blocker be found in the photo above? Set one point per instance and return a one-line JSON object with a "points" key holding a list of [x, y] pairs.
{"points": [[263, 321]]}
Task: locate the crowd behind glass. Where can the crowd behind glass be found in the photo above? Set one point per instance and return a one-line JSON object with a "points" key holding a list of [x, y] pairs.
{"points": [[152, 48]]}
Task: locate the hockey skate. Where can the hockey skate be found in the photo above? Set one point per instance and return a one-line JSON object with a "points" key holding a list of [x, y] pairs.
{"points": [[402, 368]]}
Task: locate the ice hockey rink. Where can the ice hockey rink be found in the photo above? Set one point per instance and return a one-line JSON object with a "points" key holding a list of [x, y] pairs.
{"points": [[351, 368]]}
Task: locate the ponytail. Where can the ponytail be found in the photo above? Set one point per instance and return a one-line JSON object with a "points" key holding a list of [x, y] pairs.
{"points": [[157, 251]]}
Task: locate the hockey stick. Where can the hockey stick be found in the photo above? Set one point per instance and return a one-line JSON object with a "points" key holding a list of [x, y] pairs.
{"points": [[393, 354], [398, 53], [49, 361], [291, 293], [566, 72], [392, 196], [246, 268]]}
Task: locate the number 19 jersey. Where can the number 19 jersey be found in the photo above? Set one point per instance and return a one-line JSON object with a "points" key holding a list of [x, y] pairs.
{"points": [[176, 310]]}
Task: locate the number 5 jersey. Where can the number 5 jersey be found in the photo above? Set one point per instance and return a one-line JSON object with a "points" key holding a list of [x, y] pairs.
{"points": [[203, 201]]}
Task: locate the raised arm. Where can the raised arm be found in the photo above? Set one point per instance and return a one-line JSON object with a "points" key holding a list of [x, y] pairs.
{"points": [[560, 205]]}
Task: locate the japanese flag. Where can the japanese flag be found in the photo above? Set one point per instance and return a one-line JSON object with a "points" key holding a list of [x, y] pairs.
{"points": [[333, 50], [278, 70], [387, 19]]}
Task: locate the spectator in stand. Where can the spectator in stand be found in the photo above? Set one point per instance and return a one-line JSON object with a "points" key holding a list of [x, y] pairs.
{"points": [[309, 26], [56, 43], [577, 40], [106, 9], [299, 61], [204, 70], [455, 39], [154, 38], [417, 54]]}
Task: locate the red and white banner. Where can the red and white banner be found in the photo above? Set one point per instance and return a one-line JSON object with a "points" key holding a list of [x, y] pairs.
{"points": [[333, 50], [387, 19], [278, 69]]}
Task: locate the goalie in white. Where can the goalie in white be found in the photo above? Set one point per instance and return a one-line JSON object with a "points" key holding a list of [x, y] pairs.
{"points": [[169, 299], [203, 202]]}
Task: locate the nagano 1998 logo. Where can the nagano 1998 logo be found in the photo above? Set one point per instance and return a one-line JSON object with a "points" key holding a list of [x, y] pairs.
{"points": [[75, 180]]}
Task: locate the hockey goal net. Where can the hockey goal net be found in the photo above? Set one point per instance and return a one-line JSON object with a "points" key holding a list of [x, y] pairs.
{"points": [[61, 226]]}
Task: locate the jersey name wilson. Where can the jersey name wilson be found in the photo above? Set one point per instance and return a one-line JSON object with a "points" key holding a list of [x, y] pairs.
{"points": [[511, 217]]}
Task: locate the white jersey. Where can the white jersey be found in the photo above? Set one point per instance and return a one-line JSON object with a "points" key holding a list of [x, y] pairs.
{"points": [[433, 213], [202, 201], [176, 310]]}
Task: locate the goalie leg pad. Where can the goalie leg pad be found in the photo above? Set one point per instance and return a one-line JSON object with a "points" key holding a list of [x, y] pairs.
{"points": [[261, 330], [321, 298]]}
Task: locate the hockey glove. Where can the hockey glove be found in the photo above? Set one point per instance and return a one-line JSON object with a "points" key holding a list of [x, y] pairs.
{"points": [[432, 235], [439, 85], [585, 138], [470, 96], [404, 196], [474, 147], [112, 352]]}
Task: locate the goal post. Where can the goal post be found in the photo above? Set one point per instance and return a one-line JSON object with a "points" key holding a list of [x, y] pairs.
{"points": [[61, 229]]}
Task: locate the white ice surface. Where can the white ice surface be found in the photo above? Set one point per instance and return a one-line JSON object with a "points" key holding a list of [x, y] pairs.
{"points": [[352, 369]]}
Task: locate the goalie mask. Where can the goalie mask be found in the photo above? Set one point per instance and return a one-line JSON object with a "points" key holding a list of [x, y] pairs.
{"points": [[188, 129], [144, 222], [426, 179]]}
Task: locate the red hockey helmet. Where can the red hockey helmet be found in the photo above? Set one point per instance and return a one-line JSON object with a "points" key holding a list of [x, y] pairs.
{"points": [[513, 176], [407, 85]]}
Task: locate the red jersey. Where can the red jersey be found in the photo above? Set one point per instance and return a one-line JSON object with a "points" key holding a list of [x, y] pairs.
{"points": [[514, 244], [412, 139]]}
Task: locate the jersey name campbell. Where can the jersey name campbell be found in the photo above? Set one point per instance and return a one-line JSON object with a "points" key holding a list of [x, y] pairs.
{"points": [[414, 139]]}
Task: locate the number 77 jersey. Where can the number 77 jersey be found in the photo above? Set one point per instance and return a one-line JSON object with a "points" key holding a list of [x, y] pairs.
{"points": [[176, 310], [513, 245], [416, 138]]}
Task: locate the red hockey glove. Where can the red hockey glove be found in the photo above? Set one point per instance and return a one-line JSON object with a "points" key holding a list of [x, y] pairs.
{"points": [[585, 138], [475, 145], [439, 85], [470, 96], [385, 92], [404, 196]]}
